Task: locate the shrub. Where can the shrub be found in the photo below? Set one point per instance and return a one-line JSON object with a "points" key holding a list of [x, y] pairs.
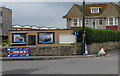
{"points": [[98, 35], [4, 42]]}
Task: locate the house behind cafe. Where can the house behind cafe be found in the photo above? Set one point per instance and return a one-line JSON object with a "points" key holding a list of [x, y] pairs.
{"points": [[97, 16]]}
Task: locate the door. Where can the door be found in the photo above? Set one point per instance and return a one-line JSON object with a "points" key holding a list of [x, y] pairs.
{"points": [[94, 24], [31, 39]]}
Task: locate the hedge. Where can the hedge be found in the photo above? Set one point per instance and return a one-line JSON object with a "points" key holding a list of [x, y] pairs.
{"points": [[98, 35]]}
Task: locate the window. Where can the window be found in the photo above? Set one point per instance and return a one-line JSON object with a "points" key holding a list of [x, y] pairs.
{"points": [[116, 21], [18, 37], [76, 22], [46, 37], [1, 13], [87, 22], [112, 21], [100, 22], [95, 9], [80, 22], [68, 19]]}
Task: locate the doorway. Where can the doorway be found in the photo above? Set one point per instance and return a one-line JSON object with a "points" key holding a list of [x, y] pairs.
{"points": [[31, 40], [94, 24]]}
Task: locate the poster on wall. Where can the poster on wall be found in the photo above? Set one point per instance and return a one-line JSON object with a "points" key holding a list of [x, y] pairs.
{"points": [[45, 37], [19, 38], [18, 52]]}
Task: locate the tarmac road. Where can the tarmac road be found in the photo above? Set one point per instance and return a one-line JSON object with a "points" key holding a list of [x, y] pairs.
{"points": [[96, 65]]}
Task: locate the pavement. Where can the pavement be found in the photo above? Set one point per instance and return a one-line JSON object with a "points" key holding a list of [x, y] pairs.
{"points": [[47, 57], [53, 57]]}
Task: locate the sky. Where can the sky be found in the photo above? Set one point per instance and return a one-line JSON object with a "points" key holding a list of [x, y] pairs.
{"points": [[39, 13]]}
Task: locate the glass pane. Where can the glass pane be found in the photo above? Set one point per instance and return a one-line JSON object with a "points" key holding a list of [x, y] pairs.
{"points": [[75, 24], [110, 19], [18, 37], [80, 22], [87, 22], [100, 22], [111, 23], [75, 20], [95, 10]]}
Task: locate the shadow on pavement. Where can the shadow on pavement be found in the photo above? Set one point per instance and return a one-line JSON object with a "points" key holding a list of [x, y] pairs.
{"points": [[20, 71]]}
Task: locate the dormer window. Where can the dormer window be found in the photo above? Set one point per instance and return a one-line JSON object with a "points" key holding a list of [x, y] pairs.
{"points": [[95, 9]]}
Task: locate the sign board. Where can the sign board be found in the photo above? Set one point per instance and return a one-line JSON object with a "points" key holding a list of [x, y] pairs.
{"points": [[101, 52], [75, 33], [66, 39], [19, 38], [46, 37], [18, 52]]}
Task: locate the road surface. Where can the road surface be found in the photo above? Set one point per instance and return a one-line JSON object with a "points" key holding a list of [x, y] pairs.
{"points": [[96, 65]]}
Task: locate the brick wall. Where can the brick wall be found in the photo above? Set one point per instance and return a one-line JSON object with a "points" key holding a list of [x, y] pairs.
{"points": [[35, 32], [112, 27]]}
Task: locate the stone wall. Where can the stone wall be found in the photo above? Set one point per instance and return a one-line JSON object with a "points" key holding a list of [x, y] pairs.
{"points": [[54, 50], [51, 50], [95, 47], [65, 50], [108, 46]]}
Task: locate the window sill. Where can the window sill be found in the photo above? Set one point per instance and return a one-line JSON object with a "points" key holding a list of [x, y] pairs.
{"points": [[111, 25], [75, 26], [95, 12], [16, 43]]}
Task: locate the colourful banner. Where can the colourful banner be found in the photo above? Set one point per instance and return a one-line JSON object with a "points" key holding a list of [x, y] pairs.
{"points": [[18, 52]]}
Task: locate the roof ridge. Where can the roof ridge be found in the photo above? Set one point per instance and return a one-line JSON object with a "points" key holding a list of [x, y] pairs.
{"points": [[77, 4], [95, 3], [115, 5]]}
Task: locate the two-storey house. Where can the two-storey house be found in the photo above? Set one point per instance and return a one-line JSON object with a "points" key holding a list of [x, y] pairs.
{"points": [[97, 16]]}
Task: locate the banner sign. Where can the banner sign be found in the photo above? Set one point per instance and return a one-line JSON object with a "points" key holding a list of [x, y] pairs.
{"points": [[18, 52]]}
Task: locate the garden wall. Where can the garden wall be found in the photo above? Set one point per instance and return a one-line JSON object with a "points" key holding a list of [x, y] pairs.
{"points": [[51, 50], [108, 46], [65, 50]]}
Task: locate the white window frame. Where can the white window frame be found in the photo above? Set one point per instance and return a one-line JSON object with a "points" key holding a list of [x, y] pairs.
{"points": [[87, 22], [92, 9], [115, 21], [99, 22], [79, 22]]}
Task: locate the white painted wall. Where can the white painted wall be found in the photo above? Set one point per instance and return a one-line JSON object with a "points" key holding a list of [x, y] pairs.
{"points": [[66, 39]]}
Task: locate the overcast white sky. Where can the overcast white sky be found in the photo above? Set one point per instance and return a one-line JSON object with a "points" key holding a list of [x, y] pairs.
{"points": [[59, 0], [39, 13]]}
